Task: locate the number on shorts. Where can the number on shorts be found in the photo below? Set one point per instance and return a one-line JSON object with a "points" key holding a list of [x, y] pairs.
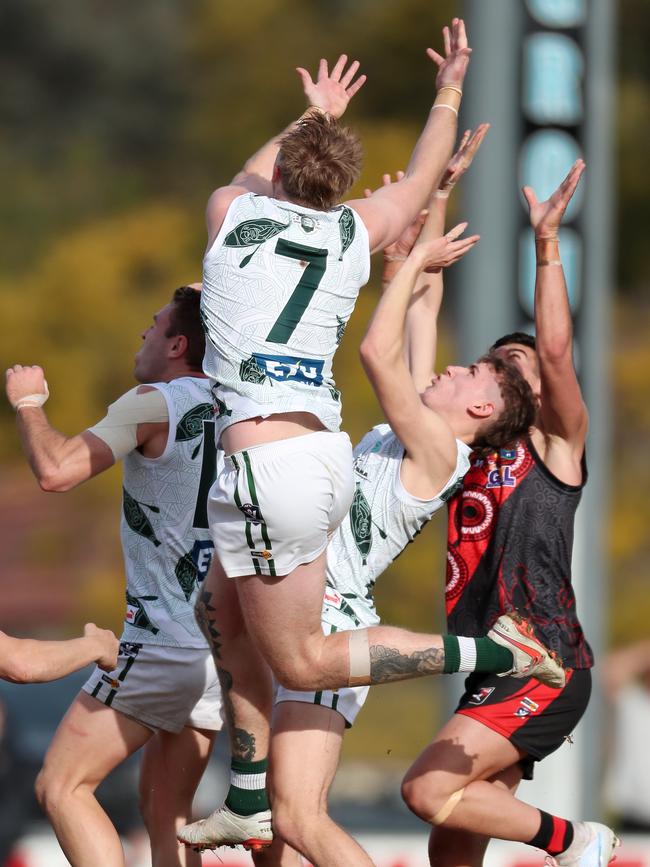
{"points": [[208, 475], [299, 300]]}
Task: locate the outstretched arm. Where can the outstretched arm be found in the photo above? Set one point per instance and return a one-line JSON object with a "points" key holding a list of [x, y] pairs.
{"points": [[391, 209], [60, 463], [330, 93], [563, 416], [427, 438], [23, 660], [422, 318]]}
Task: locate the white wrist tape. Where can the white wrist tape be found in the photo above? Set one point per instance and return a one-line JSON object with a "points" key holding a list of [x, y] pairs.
{"points": [[32, 399], [119, 427]]}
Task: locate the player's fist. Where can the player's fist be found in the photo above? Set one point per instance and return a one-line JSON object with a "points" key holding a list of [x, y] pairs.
{"points": [[107, 646], [26, 384]]}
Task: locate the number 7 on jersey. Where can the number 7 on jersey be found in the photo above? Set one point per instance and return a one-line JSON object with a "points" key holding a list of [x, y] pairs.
{"points": [[299, 299]]}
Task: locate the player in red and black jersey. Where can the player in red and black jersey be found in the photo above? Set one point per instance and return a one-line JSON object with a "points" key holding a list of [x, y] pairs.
{"points": [[509, 548]]}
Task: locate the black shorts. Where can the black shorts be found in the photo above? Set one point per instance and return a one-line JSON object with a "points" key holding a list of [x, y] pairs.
{"points": [[537, 719]]}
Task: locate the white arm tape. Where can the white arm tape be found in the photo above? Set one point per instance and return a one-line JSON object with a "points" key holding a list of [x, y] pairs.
{"points": [[119, 427], [37, 399]]}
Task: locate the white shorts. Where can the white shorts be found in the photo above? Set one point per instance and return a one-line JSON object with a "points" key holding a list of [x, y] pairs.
{"points": [[273, 506], [161, 687], [347, 701]]}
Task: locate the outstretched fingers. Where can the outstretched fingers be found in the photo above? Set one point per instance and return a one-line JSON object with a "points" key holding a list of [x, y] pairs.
{"points": [[351, 72], [305, 77], [438, 59], [531, 198], [323, 70], [457, 249], [569, 184], [338, 68], [461, 33], [446, 40], [456, 231]]}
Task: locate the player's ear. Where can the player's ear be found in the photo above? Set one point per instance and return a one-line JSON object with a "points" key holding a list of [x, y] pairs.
{"points": [[178, 346], [276, 176], [481, 410]]}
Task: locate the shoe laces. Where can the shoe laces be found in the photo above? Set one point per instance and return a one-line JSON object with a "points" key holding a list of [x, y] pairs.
{"points": [[550, 861]]}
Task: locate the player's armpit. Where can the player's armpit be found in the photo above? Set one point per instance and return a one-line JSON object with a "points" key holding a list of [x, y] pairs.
{"points": [[119, 427], [221, 199]]}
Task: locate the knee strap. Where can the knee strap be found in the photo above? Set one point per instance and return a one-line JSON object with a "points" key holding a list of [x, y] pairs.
{"points": [[359, 658], [447, 808]]}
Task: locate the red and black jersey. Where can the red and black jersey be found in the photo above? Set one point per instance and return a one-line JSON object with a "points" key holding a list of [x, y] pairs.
{"points": [[509, 547]]}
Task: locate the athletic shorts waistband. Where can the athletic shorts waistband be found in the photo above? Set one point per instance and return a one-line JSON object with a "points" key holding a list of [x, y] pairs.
{"points": [[279, 448]]}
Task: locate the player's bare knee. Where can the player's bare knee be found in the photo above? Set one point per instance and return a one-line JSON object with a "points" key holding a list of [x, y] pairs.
{"points": [[430, 803], [293, 821], [50, 789]]}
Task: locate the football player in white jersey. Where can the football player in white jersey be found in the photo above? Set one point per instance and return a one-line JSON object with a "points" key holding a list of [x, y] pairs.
{"points": [[163, 694]]}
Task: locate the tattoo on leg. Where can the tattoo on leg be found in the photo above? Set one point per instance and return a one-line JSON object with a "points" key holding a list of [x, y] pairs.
{"points": [[242, 743], [388, 664], [206, 619]]}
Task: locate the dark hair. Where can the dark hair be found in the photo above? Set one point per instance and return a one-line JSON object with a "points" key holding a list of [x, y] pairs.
{"points": [[185, 319], [519, 410], [319, 161], [516, 337]]}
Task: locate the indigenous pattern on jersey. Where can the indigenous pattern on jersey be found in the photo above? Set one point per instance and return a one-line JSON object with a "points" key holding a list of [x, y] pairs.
{"points": [[279, 285], [509, 547], [382, 520], [165, 537]]}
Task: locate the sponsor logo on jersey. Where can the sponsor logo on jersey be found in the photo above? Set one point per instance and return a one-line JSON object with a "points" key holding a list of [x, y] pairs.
{"points": [[265, 555], [287, 368], [253, 513], [202, 557], [526, 707], [484, 693], [501, 477], [332, 598]]}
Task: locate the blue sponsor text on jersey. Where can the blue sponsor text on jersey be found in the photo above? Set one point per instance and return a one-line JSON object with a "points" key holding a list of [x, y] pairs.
{"points": [[287, 367], [501, 477], [202, 557]]}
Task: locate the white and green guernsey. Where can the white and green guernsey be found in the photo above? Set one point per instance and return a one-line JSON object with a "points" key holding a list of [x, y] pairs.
{"points": [[164, 528], [383, 519], [280, 282]]}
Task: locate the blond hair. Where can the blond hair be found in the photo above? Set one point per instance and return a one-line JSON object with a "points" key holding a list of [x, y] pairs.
{"points": [[319, 161]]}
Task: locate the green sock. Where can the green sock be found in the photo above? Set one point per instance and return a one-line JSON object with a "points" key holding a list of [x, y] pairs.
{"points": [[475, 654], [247, 792]]}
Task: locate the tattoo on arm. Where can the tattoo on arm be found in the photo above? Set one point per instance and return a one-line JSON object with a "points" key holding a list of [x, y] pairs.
{"points": [[388, 664]]}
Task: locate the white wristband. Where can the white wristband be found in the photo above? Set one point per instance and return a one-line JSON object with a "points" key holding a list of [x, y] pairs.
{"points": [[32, 400], [444, 105]]}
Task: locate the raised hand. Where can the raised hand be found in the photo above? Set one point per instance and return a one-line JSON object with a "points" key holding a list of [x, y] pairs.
{"points": [[462, 159], [25, 382], [442, 252], [332, 91], [453, 66], [545, 217]]}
